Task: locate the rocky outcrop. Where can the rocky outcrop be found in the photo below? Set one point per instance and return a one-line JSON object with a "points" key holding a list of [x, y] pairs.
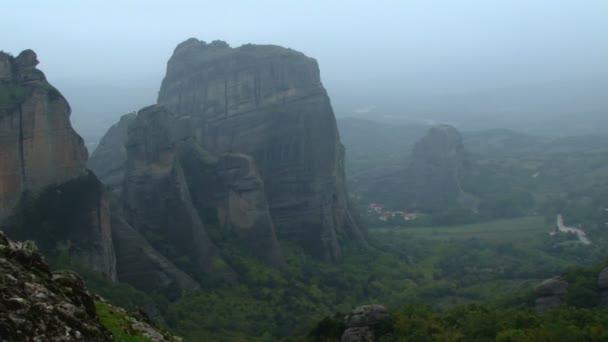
{"points": [[362, 321], [37, 305], [37, 143], [550, 293], [46, 193], [268, 103], [109, 158]]}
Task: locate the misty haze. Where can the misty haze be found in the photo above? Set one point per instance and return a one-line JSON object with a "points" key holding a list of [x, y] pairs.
{"points": [[304, 171]]}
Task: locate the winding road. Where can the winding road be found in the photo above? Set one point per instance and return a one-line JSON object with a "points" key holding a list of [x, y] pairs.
{"points": [[582, 237]]}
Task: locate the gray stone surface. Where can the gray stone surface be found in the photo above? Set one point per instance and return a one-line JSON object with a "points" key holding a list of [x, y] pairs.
{"points": [[46, 193], [360, 323], [157, 201], [268, 102], [109, 158]]}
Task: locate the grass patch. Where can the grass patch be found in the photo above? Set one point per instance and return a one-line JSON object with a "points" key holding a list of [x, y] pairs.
{"points": [[117, 324]]}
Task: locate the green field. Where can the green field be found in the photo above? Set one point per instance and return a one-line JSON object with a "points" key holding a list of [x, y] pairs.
{"points": [[502, 230]]}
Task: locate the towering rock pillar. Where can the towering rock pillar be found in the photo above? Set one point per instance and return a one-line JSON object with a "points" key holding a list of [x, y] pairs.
{"points": [[268, 102], [46, 193]]}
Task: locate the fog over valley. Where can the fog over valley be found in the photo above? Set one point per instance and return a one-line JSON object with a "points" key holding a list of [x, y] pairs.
{"points": [[310, 171], [465, 63]]}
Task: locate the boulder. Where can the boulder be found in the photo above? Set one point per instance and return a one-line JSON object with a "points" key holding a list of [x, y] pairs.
{"points": [[550, 293], [362, 321]]}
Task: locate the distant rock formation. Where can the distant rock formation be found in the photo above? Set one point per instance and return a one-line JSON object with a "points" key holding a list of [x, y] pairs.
{"points": [[268, 102], [431, 180], [438, 166], [46, 193], [177, 191], [109, 158], [361, 322], [550, 293]]}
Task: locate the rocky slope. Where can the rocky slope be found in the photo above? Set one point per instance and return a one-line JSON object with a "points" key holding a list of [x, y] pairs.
{"points": [[46, 193], [39, 305], [268, 102]]}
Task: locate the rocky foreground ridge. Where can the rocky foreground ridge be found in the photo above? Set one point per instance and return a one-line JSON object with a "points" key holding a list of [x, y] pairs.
{"points": [[39, 305]]}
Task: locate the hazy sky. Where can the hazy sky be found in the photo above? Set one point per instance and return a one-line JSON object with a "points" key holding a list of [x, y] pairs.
{"points": [[363, 47]]}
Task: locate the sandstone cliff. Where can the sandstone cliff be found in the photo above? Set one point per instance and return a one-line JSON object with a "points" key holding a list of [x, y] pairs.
{"points": [[268, 102], [46, 193], [37, 143]]}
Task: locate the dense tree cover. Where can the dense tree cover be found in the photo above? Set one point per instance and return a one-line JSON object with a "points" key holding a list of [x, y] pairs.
{"points": [[398, 269], [480, 323]]}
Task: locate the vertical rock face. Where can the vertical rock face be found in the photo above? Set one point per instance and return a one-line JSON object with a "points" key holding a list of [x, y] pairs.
{"points": [[268, 102], [229, 193], [108, 159], [38, 146], [176, 191], [46, 193], [438, 164], [156, 197]]}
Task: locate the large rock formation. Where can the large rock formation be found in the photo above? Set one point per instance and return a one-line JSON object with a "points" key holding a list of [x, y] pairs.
{"points": [[46, 193], [156, 195], [437, 168], [268, 102], [177, 194], [108, 159], [38, 146]]}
